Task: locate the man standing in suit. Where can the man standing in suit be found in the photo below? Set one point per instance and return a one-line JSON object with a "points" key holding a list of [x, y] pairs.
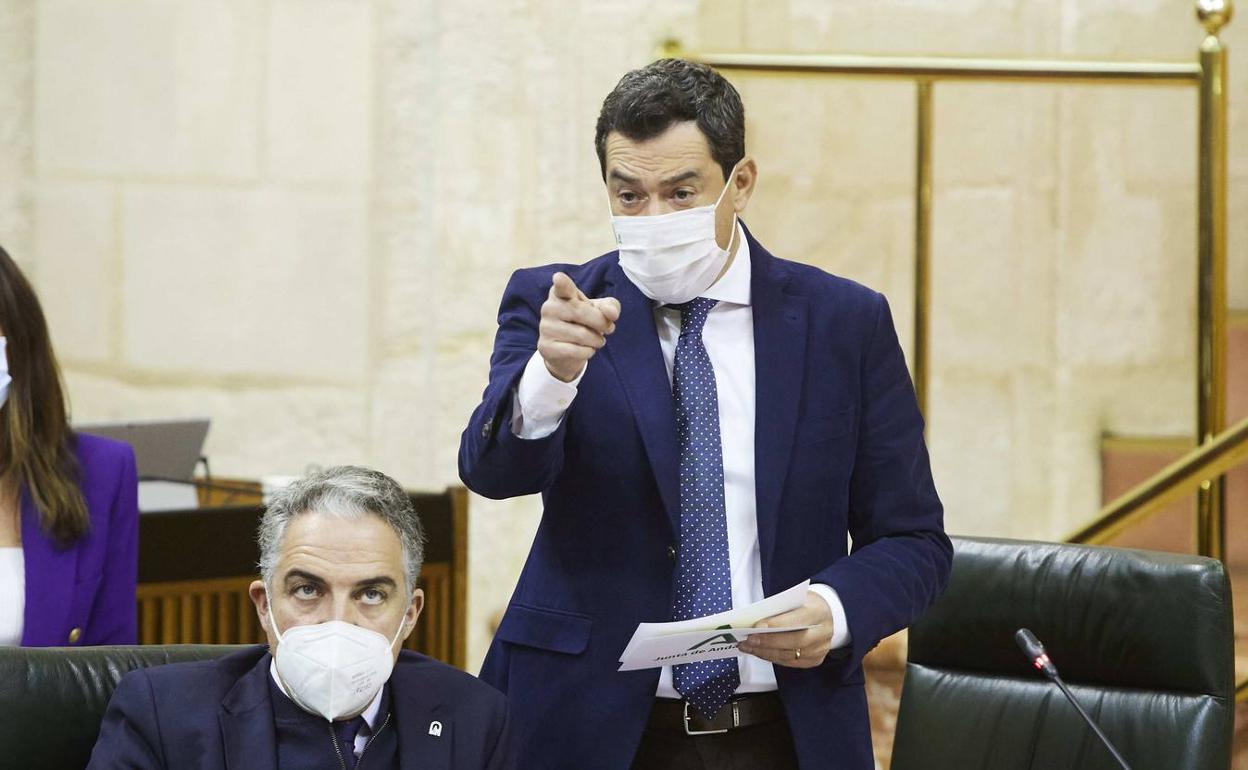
{"points": [[340, 552], [707, 425]]}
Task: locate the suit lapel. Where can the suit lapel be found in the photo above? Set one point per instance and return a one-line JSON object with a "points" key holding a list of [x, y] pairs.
{"points": [[50, 575], [780, 330], [638, 360], [246, 718], [425, 728]]}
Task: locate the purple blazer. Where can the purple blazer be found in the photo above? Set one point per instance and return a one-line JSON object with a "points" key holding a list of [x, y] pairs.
{"points": [[84, 594]]}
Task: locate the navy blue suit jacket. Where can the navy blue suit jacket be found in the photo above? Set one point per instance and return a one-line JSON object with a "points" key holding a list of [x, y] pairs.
{"points": [[217, 715], [839, 452]]}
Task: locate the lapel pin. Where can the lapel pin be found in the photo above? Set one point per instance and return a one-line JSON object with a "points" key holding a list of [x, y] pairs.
{"points": [[435, 729]]}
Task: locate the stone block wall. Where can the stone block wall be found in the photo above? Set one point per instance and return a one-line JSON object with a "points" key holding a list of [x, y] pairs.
{"points": [[297, 217]]}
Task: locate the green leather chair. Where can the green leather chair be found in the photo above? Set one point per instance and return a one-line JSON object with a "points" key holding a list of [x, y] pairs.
{"points": [[1143, 639], [52, 699]]}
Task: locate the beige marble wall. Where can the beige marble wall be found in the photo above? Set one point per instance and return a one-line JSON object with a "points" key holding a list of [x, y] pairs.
{"points": [[1063, 288], [16, 125], [297, 216]]}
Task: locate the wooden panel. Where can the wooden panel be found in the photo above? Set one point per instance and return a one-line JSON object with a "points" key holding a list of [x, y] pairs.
{"points": [[196, 612], [1125, 462], [457, 593], [147, 619], [220, 611], [226, 493], [433, 634], [169, 619], [224, 624]]}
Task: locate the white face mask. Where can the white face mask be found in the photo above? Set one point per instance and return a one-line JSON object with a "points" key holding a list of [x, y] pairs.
{"points": [[674, 257], [5, 380], [334, 669]]}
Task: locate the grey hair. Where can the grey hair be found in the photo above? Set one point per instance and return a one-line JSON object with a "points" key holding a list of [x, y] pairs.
{"points": [[349, 492]]}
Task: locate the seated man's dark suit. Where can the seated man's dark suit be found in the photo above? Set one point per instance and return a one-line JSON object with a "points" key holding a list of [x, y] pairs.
{"points": [[219, 715]]}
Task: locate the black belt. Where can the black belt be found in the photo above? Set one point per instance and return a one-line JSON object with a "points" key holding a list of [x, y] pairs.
{"points": [[742, 711]]}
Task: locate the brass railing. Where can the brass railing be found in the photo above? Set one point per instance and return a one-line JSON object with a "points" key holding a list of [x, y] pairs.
{"points": [[1179, 478], [1207, 74]]}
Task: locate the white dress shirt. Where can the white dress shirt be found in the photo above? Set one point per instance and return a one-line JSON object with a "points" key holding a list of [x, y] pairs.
{"points": [[541, 400], [12, 595], [370, 714]]}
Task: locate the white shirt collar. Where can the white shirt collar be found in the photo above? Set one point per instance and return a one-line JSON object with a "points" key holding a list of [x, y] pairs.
{"points": [[369, 714]]}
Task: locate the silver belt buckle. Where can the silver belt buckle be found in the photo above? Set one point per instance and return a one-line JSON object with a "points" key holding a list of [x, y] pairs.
{"points": [[736, 722]]}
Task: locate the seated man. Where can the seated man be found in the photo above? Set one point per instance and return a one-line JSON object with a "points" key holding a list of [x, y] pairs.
{"points": [[340, 552]]}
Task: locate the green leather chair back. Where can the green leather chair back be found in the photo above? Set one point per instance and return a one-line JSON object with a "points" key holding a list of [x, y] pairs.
{"points": [[1143, 639], [52, 699]]}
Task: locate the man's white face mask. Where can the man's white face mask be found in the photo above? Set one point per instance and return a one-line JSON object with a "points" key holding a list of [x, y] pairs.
{"points": [[673, 257], [335, 668], [5, 379]]}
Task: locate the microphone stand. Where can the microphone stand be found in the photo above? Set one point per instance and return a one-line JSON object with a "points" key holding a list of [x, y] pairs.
{"points": [[1057, 680], [1035, 653]]}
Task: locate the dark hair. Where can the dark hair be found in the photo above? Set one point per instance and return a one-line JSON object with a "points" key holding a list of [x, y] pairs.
{"points": [[36, 443], [647, 101]]}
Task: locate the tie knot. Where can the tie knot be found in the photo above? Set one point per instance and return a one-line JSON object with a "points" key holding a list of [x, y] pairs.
{"points": [[693, 314], [347, 730]]}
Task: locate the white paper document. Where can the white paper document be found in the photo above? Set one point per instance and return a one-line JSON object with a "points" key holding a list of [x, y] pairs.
{"points": [[715, 636]]}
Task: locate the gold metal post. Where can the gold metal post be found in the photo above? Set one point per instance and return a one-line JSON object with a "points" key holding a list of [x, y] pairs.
{"points": [[1211, 278], [922, 241]]}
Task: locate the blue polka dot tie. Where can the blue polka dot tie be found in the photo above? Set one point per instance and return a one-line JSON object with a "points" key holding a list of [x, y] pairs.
{"points": [[703, 578]]}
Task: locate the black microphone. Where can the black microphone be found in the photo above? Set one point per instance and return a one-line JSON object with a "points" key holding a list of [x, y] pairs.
{"points": [[1034, 650]]}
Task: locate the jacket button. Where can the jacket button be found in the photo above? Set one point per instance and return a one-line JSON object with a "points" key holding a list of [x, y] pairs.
{"points": [[75, 635], [485, 429], [671, 553]]}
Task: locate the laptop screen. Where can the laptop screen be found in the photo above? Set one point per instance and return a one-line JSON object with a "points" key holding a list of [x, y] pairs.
{"points": [[163, 449]]}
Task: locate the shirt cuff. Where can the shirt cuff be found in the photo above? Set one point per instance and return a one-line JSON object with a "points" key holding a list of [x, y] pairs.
{"points": [[540, 400], [840, 626]]}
